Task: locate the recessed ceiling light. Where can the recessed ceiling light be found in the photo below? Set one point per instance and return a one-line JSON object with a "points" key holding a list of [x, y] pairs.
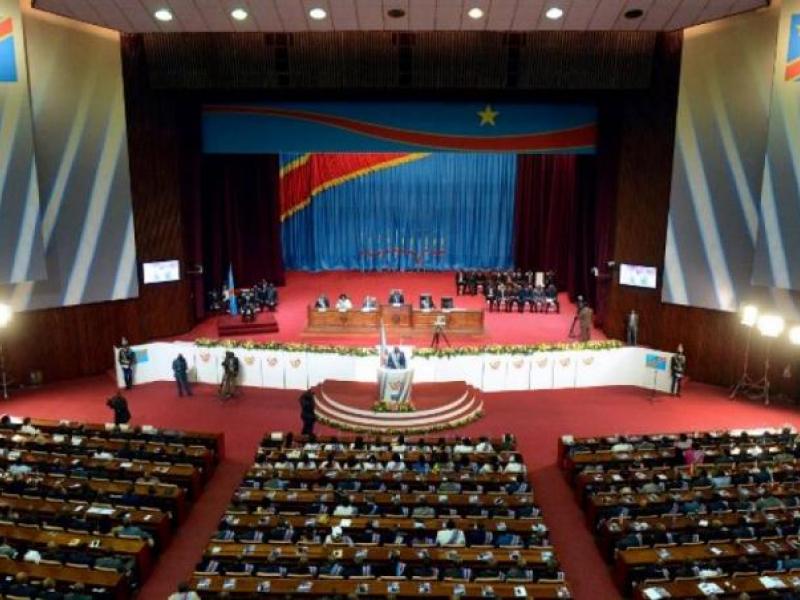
{"points": [[317, 13], [396, 13], [239, 14], [475, 13], [633, 13], [163, 14], [554, 13]]}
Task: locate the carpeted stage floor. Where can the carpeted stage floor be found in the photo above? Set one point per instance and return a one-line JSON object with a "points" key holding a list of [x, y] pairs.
{"points": [[537, 418], [302, 289]]}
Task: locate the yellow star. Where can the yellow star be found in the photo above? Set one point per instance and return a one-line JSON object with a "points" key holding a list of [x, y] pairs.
{"points": [[488, 115]]}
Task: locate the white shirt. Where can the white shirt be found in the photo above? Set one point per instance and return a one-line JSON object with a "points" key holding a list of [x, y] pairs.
{"points": [[462, 449], [514, 467], [32, 556], [448, 537], [484, 447], [395, 466], [344, 304], [345, 511], [191, 595]]}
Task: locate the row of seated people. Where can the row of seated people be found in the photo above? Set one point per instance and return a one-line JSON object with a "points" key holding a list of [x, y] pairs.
{"points": [[474, 282], [85, 509], [668, 515], [316, 531], [510, 297], [263, 296]]}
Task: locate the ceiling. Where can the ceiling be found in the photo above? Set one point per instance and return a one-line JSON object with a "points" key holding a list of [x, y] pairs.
{"points": [[132, 16]]}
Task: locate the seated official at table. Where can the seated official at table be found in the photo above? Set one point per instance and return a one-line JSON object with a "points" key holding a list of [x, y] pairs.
{"points": [[322, 302], [396, 298], [426, 303], [370, 304], [268, 296], [344, 303], [396, 359]]}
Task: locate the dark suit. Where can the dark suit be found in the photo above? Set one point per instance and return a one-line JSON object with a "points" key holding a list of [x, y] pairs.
{"points": [[307, 413], [127, 359], [396, 360], [396, 298]]}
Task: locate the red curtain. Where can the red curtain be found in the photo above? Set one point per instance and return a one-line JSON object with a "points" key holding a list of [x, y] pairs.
{"points": [[240, 219], [556, 222]]}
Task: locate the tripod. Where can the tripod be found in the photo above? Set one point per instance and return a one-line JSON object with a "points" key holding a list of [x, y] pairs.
{"points": [[3, 375], [746, 384], [438, 336]]}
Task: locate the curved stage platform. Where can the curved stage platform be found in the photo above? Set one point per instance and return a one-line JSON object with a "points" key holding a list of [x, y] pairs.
{"points": [[347, 405]]}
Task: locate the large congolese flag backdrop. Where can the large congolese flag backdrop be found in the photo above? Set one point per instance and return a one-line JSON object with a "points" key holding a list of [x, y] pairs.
{"points": [[399, 127], [397, 211]]}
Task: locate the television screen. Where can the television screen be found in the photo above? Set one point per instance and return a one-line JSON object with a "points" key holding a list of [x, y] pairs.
{"points": [[161, 271], [638, 276]]}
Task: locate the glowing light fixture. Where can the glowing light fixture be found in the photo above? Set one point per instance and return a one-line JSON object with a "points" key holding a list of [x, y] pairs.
{"points": [[794, 335], [317, 13], [749, 315], [163, 14], [554, 13], [475, 13], [771, 325], [5, 314], [239, 14]]}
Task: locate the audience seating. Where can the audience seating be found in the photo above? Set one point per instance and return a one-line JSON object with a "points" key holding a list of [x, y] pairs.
{"points": [[382, 517], [89, 507], [708, 514]]}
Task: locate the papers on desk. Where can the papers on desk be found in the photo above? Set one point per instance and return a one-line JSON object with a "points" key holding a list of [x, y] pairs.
{"points": [[655, 593], [345, 523], [771, 583], [229, 584], [459, 589], [100, 510], [204, 583], [393, 587], [263, 587], [709, 588], [520, 591]]}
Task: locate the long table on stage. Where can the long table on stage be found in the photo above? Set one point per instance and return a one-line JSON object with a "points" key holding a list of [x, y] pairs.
{"points": [[403, 318]]}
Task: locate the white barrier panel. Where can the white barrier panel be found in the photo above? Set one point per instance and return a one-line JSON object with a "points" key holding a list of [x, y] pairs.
{"points": [[425, 369], [494, 372], [641, 367], [249, 367], [296, 374], [273, 368], [564, 370], [518, 372], [541, 372]]}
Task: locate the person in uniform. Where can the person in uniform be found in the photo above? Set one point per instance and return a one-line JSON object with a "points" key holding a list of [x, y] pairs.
{"points": [[230, 373], [270, 297], [396, 298], [489, 292], [119, 405], [551, 297], [461, 282], [307, 413], [585, 321], [126, 359], [579, 304], [180, 369], [632, 328], [677, 367]]}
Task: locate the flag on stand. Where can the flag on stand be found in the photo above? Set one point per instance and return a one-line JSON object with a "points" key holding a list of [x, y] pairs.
{"points": [[233, 304], [383, 346]]}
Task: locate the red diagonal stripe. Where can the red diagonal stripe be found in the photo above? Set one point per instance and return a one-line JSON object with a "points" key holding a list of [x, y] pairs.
{"points": [[792, 70], [579, 137], [298, 184], [6, 27]]}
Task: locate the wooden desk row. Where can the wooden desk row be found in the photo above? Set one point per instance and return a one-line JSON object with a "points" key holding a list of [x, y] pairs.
{"points": [[252, 496], [319, 553], [154, 522], [241, 587], [322, 477], [728, 587], [272, 456], [257, 521], [297, 441], [721, 552], [213, 441], [116, 583], [95, 543], [404, 317]]}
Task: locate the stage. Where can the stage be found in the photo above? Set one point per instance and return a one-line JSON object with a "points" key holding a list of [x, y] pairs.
{"points": [[302, 288]]}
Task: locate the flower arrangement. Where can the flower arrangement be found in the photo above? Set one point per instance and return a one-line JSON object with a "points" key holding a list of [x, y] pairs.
{"points": [[285, 347], [385, 407], [521, 349], [391, 431]]}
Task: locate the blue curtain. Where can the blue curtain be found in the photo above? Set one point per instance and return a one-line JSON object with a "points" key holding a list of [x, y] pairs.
{"points": [[441, 212]]}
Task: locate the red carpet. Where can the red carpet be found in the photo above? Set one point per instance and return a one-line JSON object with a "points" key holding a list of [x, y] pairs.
{"points": [[537, 418], [302, 289]]}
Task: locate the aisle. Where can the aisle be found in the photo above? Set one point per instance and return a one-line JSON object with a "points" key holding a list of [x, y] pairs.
{"points": [[537, 418]]}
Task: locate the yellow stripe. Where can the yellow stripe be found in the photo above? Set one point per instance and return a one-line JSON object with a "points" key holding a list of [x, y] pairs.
{"points": [[297, 162], [350, 176]]}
